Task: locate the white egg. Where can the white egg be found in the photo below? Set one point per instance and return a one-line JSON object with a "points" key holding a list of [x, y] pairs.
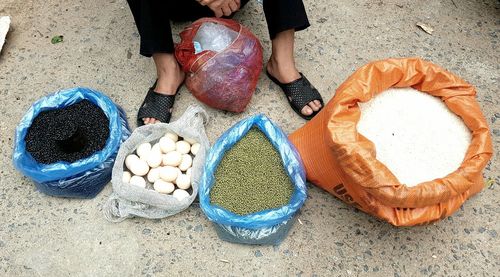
{"points": [[138, 181], [156, 147], [190, 140], [168, 173], [153, 174], [167, 144], [130, 159], [180, 194], [188, 171], [172, 136], [182, 147], [126, 176], [143, 149], [186, 162], [139, 167], [162, 186], [173, 158], [154, 159], [195, 148], [183, 181]]}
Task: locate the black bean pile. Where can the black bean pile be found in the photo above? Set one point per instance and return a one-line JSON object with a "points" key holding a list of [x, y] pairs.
{"points": [[251, 178], [67, 134]]}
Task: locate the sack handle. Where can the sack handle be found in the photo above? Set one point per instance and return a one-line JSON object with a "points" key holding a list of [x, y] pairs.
{"points": [[111, 209]]}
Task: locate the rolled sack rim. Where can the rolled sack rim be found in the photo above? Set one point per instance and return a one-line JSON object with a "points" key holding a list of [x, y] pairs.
{"points": [[356, 154]]}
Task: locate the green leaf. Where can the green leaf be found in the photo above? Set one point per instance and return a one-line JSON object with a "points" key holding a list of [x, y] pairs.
{"points": [[57, 39], [489, 182]]}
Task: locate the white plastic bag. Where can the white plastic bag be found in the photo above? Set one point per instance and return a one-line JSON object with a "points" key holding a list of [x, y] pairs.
{"points": [[4, 28], [127, 200], [215, 37]]}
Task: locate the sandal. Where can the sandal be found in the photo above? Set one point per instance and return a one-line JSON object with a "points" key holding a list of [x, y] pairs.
{"points": [[299, 93], [156, 105]]}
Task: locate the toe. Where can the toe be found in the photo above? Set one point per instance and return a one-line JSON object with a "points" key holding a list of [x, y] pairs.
{"points": [[313, 106], [318, 103], [146, 120], [307, 110]]}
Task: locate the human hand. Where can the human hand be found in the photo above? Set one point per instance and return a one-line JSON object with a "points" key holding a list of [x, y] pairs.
{"points": [[222, 7], [210, 2], [206, 2]]}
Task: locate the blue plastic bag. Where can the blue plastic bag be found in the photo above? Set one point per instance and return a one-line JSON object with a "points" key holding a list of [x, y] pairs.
{"points": [[264, 227], [84, 178]]}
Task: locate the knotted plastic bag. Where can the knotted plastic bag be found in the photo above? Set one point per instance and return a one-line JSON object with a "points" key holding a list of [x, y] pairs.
{"points": [[340, 160], [127, 200], [84, 178], [223, 61], [264, 227]]}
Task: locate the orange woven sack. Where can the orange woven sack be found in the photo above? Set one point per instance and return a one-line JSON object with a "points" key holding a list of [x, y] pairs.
{"points": [[340, 160]]}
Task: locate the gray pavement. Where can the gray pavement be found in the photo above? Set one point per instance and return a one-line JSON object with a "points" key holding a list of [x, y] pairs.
{"points": [[47, 236]]}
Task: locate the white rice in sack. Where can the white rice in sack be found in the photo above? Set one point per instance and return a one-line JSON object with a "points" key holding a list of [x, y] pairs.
{"points": [[415, 135]]}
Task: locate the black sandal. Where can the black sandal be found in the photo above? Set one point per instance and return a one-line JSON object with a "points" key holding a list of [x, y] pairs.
{"points": [[157, 106], [299, 93]]}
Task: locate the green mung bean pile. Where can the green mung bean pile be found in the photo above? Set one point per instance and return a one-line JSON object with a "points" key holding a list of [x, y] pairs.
{"points": [[251, 178]]}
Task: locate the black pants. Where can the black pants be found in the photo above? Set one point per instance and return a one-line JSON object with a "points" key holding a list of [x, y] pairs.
{"points": [[152, 18]]}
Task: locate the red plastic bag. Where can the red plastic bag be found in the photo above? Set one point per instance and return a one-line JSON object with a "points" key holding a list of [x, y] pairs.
{"points": [[226, 79]]}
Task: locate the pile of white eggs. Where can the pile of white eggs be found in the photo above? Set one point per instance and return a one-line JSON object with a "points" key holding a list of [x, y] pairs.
{"points": [[165, 166]]}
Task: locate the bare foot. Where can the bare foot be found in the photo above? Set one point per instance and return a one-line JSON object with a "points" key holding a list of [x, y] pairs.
{"points": [[286, 73], [281, 65], [170, 77]]}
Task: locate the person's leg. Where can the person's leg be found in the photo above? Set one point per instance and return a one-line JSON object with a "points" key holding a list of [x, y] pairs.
{"points": [[152, 18], [284, 17], [153, 24]]}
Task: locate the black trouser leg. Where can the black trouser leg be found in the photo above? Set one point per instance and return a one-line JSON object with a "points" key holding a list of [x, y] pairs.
{"points": [[152, 18], [153, 24], [283, 15]]}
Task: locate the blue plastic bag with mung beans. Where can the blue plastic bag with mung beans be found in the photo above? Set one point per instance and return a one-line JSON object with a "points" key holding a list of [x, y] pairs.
{"points": [[252, 197]]}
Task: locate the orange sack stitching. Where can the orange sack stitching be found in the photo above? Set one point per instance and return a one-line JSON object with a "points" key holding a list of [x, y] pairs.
{"points": [[342, 161]]}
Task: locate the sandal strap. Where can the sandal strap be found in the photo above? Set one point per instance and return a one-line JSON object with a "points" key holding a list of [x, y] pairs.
{"points": [[300, 92], [156, 105]]}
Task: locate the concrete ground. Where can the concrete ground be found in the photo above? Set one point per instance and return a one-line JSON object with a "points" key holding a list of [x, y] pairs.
{"points": [[47, 236]]}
